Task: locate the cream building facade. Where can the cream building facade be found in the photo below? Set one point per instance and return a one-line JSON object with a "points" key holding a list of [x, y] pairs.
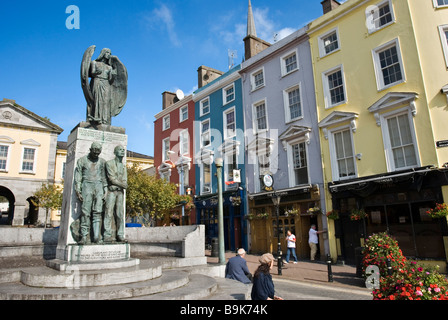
{"points": [[27, 159]]}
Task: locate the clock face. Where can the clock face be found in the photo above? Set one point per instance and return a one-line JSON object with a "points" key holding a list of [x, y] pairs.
{"points": [[268, 180]]}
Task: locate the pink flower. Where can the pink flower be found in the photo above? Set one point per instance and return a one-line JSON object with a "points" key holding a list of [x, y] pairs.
{"points": [[419, 293], [437, 289]]}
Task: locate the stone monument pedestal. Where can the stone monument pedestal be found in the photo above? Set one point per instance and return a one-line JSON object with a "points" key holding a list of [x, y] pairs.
{"points": [[94, 257], [69, 253]]}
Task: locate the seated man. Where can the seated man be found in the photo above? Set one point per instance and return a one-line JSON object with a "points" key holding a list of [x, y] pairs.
{"points": [[236, 268]]}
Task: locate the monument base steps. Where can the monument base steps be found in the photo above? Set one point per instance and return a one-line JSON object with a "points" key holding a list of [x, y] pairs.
{"points": [[155, 278]]}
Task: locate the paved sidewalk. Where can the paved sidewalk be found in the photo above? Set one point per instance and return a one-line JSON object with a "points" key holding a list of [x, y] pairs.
{"points": [[306, 271]]}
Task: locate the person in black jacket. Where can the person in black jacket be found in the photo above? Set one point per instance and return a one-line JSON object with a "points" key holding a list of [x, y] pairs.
{"points": [[263, 287]]}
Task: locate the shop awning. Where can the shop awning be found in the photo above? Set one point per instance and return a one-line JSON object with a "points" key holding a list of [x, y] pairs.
{"points": [[410, 176]]}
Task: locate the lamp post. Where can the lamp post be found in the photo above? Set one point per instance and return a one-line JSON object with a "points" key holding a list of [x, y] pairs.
{"points": [[180, 170], [276, 201], [222, 258], [182, 187]]}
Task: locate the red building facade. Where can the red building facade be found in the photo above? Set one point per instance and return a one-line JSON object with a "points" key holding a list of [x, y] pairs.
{"points": [[173, 149]]}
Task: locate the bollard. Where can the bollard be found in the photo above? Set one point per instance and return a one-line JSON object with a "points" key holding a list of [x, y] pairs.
{"points": [[389, 267], [215, 247], [330, 272], [279, 259]]}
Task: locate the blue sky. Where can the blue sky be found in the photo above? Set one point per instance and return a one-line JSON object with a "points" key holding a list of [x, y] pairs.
{"points": [[161, 43]]}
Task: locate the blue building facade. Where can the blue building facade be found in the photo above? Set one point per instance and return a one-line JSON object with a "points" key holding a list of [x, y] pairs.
{"points": [[219, 133]]}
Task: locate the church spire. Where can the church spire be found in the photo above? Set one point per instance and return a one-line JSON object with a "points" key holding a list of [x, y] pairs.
{"points": [[251, 31], [252, 44]]}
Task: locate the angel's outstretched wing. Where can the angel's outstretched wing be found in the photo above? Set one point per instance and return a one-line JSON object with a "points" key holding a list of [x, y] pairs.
{"points": [[85, 69], [120, 86]]}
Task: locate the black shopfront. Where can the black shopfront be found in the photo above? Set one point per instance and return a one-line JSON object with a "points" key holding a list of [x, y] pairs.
{"points": [[395, 203]]}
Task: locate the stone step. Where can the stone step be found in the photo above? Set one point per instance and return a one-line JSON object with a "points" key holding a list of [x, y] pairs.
{"points": [[199, 287], [50, 278], [168, 281], [230, 290]]}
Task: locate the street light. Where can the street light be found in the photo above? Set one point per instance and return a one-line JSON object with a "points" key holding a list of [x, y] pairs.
{"points": [[180, 170], [222, 258], [276, 201]]}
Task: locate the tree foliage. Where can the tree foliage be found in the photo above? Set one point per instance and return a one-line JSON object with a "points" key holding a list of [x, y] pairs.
{"points": [[149, 195], [49, 196]]}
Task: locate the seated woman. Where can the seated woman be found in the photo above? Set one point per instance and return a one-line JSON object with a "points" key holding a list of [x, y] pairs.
{"points": [[263, 287]]}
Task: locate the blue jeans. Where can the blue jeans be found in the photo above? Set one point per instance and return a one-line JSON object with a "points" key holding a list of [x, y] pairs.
{"points": [[288, 253]]}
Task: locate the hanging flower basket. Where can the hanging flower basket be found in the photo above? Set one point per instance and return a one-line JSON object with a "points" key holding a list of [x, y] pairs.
{"points": [[440, 211], [236, 201], [258, 216], [292, 212], [313, 211], [333, 214], [357, 215]]}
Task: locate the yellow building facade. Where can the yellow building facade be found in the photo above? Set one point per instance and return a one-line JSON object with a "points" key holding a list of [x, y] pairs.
{"points": [[380, 70]]}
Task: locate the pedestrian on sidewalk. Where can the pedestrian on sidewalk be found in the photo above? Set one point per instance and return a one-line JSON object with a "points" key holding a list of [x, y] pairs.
{"points": [[237, 269], [291, 246], [314, 240], [263, 288]]}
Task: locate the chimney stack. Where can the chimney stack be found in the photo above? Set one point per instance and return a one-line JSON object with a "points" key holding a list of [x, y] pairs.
{"points": [[328, 5], [207, 75], [168, 99]]}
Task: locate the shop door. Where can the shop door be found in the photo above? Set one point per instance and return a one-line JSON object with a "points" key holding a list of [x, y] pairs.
{"points": [[350, 238]]}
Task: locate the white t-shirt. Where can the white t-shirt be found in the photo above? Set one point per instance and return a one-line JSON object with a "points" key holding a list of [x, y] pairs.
{"points": [[291, 244], [313, 236]]}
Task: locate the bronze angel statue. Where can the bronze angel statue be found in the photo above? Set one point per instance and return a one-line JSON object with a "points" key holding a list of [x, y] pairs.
{"points": [[106, 93]]}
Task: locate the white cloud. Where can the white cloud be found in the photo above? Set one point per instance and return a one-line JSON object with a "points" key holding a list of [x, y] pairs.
{"points": [[265, 26], [267, 29], [164, 16]]}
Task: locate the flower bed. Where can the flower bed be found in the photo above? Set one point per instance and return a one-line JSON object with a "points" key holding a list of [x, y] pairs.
{"points": [[413, 282], [409, 279]]}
